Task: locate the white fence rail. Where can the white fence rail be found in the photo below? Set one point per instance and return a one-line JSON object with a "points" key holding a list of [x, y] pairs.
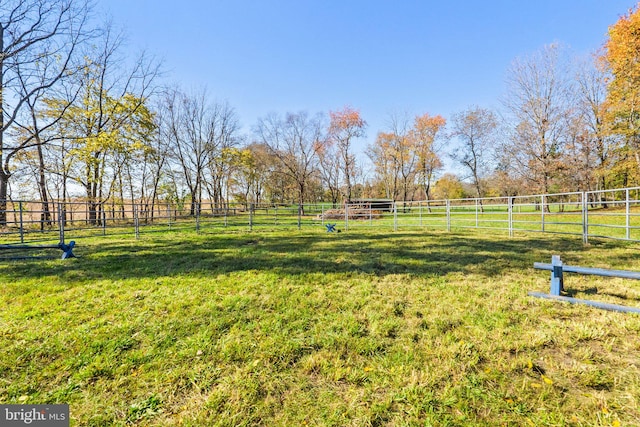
{"points": [[613, 214]]}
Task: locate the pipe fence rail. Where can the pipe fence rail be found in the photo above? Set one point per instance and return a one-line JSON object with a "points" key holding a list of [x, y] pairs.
{"points": [[613, 214]]}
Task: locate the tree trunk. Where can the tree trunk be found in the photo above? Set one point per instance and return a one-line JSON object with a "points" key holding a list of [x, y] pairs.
{"points": [[45, 216], [4, 185], [4, 177]]}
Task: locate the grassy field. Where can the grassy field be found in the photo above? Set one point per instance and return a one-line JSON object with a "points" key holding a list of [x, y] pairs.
{"points": [[309, 328]]}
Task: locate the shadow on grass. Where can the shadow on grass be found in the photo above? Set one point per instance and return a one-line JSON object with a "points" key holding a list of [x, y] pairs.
{"points": [[592, 291], [415, 253]]}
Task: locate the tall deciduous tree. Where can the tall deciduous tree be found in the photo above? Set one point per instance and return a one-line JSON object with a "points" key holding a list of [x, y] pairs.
{"points": [[330, 170], [405, 153], [591, 79], [293, 141], [622, 57], [254, 171], [539, 99], [191, 126], [424, 139], [386, 162], [222, 151], [475, 129], [109, 118], [38, 43], [345, 126]]}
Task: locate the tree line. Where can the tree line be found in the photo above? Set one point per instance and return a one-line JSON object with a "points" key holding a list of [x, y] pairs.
{"points": [[80, 120]]}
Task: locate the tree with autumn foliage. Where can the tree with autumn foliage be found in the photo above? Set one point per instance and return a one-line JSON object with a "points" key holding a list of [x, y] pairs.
{"points": [[384, 156], [344, 127], [622, 59], [448, 187], [424, 138], [395, 159], [108, 122]]}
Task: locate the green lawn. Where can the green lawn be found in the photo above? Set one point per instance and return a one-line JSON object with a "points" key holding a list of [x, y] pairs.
{"points": [[288, 328]]}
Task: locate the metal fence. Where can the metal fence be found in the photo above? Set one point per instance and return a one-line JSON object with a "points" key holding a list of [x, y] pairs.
{"points": [[611, 214]]}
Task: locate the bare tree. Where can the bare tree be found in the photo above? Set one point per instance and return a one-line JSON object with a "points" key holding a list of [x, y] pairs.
{"points": [[329, 161], [221, 145], [293, 140], [597, 142], [38, 41], [475, 128], [185, 126], [539, 99], [34, 130], [404, 154]]}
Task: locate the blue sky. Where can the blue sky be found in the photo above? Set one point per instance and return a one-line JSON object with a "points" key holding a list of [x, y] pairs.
{"points": [[381, 57]]}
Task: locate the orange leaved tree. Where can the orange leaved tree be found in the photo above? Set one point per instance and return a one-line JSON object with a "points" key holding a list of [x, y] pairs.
{"points": [[345, 126]]}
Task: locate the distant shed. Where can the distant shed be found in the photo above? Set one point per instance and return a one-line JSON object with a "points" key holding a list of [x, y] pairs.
{"points": [[383, 205]]}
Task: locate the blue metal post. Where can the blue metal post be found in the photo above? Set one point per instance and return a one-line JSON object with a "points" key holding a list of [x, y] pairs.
{"points": [[556, 275]]}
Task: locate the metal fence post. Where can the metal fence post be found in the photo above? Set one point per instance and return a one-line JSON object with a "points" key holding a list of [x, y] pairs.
{"points": [[556, 275], [627, 212], [104, 221], [448, 210], [169, 215], [395, 216], [21, 223], [136, 223], [510, 210], [585, 219], [346, 216], [542, 210], [477, 223], [60, 223], [250, 216]]}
